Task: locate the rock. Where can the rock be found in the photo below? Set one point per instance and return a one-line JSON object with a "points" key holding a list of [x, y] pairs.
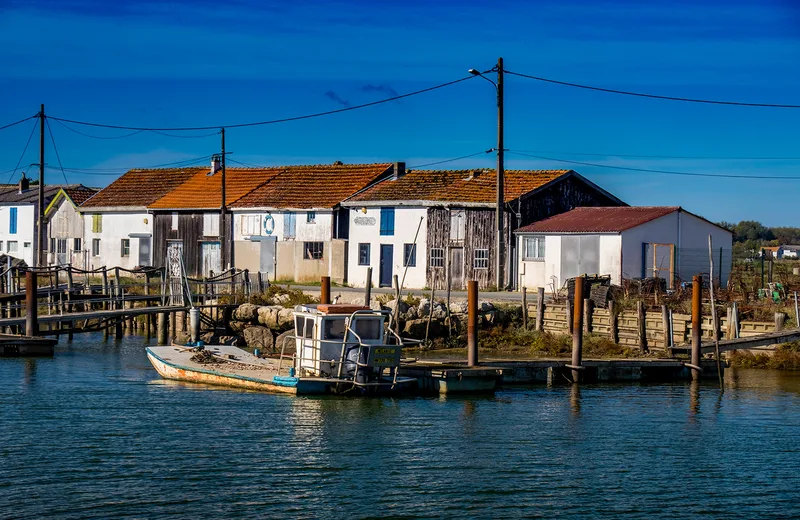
{"points": [[411, 314], [459, 307], [439, 311], [239, 326], [285, 319], [236, 341], [424, 307], [402, 306], [208, 338], [375, 305], [416, 328], [287, 342], [246, 312], [259, 337], [485, 306], [281, 299], [268, 315]]}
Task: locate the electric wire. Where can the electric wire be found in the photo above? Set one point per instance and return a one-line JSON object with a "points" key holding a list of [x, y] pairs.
{"points": [[652, 96], [490, 150], [693, 157], [267, 122], [95, 136], [667, 172], [55, 149], [36, 124], [17, 122], [122, 169]]}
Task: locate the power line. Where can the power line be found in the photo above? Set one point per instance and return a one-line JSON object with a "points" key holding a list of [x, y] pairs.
{"points": [[55, 149], [17, 122], [95, 136], [702, 157], [23, 151], [185, 136], [668, 172], [268, 122], [652, 96], [490, 150], [121, 170]]}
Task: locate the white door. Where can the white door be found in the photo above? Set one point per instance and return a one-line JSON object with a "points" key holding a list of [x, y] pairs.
{"points": [[210, 254]]}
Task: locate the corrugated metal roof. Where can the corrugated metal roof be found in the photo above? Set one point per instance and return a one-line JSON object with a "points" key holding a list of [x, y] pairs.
{"points": [[599, 219], [469, 186]]}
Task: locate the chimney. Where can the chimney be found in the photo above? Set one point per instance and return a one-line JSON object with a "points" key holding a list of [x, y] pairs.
{"points": [[24, 184], [338, 163], [472, 175], [398, 170], [215, 164]]}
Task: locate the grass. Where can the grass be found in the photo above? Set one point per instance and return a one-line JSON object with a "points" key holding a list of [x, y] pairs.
{"points": [[785, 357], [277, 295]]}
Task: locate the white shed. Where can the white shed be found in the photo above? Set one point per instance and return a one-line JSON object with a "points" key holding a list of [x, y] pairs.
{"points": [[623, 242]]}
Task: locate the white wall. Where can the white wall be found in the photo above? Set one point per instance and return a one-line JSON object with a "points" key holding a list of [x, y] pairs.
{"points": [[319, 231], [365, 228], [663, 230], [26, 216], [116, 226], [611, 257], [539, 273]]}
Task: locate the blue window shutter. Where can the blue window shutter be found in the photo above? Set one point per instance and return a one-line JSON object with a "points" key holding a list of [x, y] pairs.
{"points": [[12, 225], [387, 221]]}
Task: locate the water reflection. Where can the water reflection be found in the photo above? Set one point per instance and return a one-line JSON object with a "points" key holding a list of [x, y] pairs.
{"points": [[575, 400], [694, 399], [30, 371]]}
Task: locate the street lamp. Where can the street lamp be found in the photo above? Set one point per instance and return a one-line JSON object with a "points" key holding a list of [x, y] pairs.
{"points": [[500, 244]]}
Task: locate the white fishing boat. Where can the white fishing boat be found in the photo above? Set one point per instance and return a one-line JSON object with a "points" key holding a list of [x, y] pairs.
{"points": [[339, 349]]}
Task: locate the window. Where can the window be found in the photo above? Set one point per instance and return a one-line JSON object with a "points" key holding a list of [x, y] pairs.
{"points": [[76, 244], [251, 225], [210, 224], [333, 328], [125, 247], [410, 255], [533, 248], [61, 246], [26, 244], [481, 259], [12, 246], [12, 222], [363, 254], [368, 328], [95, 247], [387, 221], [97, 223], [311, 217], [52, 244], [437, 257], [1, 245], [175, 221], [312, 250], [458, 222], [289, 226]]}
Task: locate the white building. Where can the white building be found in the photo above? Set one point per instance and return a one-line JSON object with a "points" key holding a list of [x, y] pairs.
{"points": [[65, 227], [118, 227], [623, 242]]}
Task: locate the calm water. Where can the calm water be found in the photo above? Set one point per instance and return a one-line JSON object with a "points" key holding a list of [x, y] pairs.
{"points": [[95, 433]]}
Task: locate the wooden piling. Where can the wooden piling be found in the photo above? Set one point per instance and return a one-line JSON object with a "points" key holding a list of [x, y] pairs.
{"points": [[570, 311], [368, 288], [780, 320], [577, 330], [540, 309], [325, 290], [472, 323], [260, 278], [162, 328], [31, 310], [665, 326], [697, 293], [173, 325], [641, 326], [613, 323], [588, 307], [525, 308]]}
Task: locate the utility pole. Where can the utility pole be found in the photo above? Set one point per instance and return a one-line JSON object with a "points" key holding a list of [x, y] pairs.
{"points": [[499, 213], [40, 238], [222, 229]]}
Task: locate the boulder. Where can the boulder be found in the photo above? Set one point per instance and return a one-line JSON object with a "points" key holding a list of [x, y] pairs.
{"points": [[485, 306], [439, 311], [424, 307], [281, 299], [259, 337], [459, 307], [285, 319], [208, 338], [246, 312], [416, 328], [236, 341], [411, 314], [402, 306], [268, 316], [287, 342], [239, 326]]}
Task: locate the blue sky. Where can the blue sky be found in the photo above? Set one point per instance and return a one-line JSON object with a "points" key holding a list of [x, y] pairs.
{"points": [[181, 63]]}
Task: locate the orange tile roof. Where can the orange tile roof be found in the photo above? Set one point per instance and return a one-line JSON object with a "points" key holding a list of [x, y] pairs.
{"points": [[320, 186], [203, 191], [79, 194], [472, 186], [140, 188]]}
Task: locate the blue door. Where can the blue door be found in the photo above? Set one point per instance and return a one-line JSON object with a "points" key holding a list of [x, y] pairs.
{"points": [[387, 252]]}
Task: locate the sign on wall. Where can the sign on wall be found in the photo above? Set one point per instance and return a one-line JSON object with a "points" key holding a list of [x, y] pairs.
{"points": [[364, 221]]}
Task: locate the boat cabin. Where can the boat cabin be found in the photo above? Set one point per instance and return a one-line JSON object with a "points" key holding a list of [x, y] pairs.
{"points": [[343, 341]]}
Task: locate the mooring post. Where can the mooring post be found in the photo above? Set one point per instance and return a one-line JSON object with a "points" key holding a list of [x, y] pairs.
{"points": [[780, 319], [325, 290], [525, 308], [368, 288], [161, 328], [641, 323], [472, 323], [588, 307], [173, 325], [697, 293], [735, 314], [577, 330], [260, 282], [540, 309], [796, 312], [665, 325], [31, 318], [194, 322]]}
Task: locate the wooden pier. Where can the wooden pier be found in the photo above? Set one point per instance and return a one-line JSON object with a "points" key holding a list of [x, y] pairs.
{"points": [[26, 346]]}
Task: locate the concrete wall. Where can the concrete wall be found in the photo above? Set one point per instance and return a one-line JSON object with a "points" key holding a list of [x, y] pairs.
{"points": [[26, 215], [365, 228], [117, 226], [293, 266]]}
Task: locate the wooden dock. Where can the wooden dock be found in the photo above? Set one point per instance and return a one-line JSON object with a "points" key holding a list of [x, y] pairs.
{"points": [[25, 346]]}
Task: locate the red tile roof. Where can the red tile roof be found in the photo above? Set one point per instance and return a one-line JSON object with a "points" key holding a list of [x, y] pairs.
{"points": [[599, 220], [140, 188], [474, 186], [203, 191], [79, 194], [321, 186]]}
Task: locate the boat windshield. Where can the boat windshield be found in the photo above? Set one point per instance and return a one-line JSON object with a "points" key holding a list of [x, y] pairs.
{"points": [[333, 328], [368, 328]]}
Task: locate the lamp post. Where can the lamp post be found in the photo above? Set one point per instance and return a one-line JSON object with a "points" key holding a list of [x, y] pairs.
{"points": [[499, 217]]}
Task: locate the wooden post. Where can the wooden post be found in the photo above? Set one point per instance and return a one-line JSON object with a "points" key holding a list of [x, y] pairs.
{"points": [[31, 310], [780, 319], [665, 325], [472, 323], [540, 309], [173, 326], [162, 328], [260, 278], [577, 331], [570, 313], [735, 313], [396, 313], [118, 332], [525, 308], [697, 288], [106, 290], [613, 323], [641, 323], [325, 290], [588, 307], [70, 287], [368, 288], [430, 312], [246, 282]]}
